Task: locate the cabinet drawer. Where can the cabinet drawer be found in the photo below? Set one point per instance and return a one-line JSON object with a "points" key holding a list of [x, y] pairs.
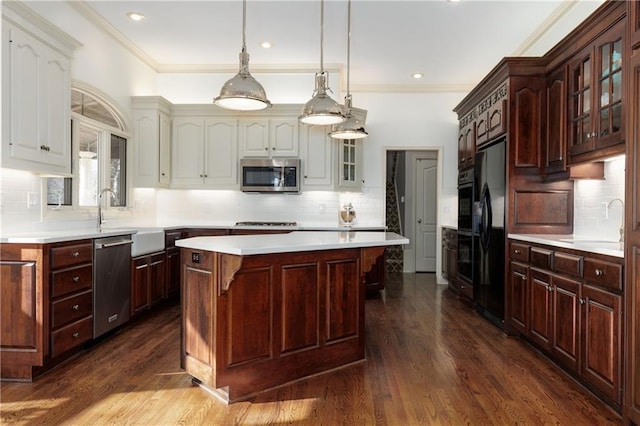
{"points": [[71, 255], [170, 238], [519, 252], [567, 263], [541, 258], [71, 336], [71, 309], [466, 289], [603, 273], [71, 280]]}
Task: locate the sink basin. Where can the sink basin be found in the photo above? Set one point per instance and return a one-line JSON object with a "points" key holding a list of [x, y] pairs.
{"points": [[147, 240]]}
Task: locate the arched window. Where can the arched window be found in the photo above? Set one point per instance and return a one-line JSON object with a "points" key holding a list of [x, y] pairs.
{"points": [[98, 142]]}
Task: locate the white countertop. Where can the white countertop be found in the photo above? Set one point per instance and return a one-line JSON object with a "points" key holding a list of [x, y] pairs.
{"points": [[609, 248], [293, 242], [46, 237]]}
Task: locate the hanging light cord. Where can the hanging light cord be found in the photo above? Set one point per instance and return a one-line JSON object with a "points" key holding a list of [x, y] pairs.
{"points": [[244, 25], [321, 35], [348, 43]]}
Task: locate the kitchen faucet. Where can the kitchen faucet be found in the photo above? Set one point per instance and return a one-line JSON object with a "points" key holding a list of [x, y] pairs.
{"points": [[100, 218], [622, 223]]}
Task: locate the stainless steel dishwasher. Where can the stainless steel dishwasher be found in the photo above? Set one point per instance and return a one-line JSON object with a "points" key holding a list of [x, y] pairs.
{"points": [[111, 283]]}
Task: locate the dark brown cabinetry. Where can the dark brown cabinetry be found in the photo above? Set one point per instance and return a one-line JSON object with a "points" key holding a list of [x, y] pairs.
{"points": [[569, 304], [148, 278], [173, 263], [633, 21], [467, 140], [595, 98], [556, 101], [71, 297]]}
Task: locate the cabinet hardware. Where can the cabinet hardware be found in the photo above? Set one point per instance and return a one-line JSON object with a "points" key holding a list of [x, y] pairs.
{"points": [[523, 278], [76, 335], [516, 251], [76, 307], [274, 148], [581, 301], [266, 148], [75, 254], [75, 279], [549, 288], [599, 272]]}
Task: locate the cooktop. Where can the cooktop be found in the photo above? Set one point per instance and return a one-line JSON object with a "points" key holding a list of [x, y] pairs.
{"points": [[266, 223]]}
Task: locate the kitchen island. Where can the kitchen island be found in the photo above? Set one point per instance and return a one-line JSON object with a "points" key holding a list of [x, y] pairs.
{"points": [[261, 311]]}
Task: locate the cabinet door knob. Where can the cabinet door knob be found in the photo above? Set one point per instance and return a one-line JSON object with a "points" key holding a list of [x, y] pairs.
{"points": [[599, 272], [75, 254], [516, 251], [76, 307], [524, 278], [75, 279], [274, 148], [76, 335], [266, 149], [549, 288], [582, 301]]}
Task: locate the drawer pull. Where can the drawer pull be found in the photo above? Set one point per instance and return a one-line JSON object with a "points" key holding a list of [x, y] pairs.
{"points": [[599, 272], [549, 288], [75, 279], [582, 301], [523, 278], [76, 307], [516, 251], [75, 254], [76, 335]]}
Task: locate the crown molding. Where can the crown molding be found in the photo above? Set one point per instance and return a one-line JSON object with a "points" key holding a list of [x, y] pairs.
{"points": [[96, 19], [558, 14]]}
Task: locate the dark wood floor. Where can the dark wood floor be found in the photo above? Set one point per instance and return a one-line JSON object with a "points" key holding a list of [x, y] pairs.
{"points": [[430, 360]]}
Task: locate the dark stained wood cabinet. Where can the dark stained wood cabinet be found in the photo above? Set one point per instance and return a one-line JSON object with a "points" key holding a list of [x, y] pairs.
{"points": [[568, 303], [173, 262], [631, 409], [148, 281], [555, 120], [527, 110], [596, 97], [292, 315], [467, 140], [449, 267]]}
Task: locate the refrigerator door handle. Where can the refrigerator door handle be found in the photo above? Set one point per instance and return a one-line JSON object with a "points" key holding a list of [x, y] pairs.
{"points": [[486, 218]]}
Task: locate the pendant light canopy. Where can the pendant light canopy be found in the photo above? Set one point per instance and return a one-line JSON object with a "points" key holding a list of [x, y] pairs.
{"points": [[352, 127], [243, 92], [321, 109]]}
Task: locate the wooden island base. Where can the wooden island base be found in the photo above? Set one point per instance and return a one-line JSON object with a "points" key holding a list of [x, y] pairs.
{"points": [[255, 322]]}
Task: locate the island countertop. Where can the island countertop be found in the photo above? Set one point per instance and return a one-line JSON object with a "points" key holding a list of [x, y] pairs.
{"points": [[296, 241]]}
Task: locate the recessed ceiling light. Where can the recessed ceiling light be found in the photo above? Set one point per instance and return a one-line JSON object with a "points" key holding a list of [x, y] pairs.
{"points": [[135, 16], [417, 75], [266, 44]]}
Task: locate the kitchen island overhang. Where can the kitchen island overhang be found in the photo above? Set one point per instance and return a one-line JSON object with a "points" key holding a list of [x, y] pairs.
{"points": [[262, 311]]}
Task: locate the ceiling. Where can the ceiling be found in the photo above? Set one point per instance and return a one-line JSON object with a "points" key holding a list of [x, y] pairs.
{"points": [[453, 44]]}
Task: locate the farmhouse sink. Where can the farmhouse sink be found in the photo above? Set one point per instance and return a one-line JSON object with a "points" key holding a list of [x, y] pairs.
{"points": [[147, 240]]}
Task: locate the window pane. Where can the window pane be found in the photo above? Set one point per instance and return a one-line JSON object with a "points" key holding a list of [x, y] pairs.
{"points": [[605, 55], [87, 166], [604, 122], [88, 106], [616, 119], [118, 167], [58, 191]]}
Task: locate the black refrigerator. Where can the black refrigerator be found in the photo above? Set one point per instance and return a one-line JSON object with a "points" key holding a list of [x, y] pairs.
{"points": [[489, 235]]}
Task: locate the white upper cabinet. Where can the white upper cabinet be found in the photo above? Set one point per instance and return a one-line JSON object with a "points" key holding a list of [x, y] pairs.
{"points": [[316, 153], [151, 142], [269, 137], [36, 87], [204, 153]]}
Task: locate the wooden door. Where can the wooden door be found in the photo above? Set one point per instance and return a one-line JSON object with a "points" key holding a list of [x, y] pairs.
{"points": [[580, 103], [187, 163], [426, 211], [601, 341], [221, 152], [157, 280]]}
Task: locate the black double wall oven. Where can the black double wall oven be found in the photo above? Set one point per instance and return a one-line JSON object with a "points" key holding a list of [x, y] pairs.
{"points": [[466, 199]]}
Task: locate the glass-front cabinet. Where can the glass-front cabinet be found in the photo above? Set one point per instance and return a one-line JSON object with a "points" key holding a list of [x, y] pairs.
{"points": [[349, 163], [595, 96]]}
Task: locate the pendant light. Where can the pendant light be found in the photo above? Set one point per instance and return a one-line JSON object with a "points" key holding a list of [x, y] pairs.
{"points": [[352, 127], [321, 109], [243, 92]]}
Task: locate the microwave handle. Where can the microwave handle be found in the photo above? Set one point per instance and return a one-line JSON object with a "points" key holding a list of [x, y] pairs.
{"points": [[282, 169]]}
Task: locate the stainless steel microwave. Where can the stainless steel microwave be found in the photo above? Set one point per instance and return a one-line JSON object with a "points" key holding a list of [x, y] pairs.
{"points": [[270, 175]]}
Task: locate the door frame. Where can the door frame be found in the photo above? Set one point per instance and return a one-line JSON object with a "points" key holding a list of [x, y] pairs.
{"points": [[409, 228]]}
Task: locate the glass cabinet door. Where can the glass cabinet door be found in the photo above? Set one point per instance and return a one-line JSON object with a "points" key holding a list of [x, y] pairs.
{"points": [[349, 165], [609, 86], [580, 106]]}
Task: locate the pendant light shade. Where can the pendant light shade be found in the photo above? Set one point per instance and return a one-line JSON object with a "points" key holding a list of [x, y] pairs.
{"points": [[243, 92], [352, 127], [321, 109]]}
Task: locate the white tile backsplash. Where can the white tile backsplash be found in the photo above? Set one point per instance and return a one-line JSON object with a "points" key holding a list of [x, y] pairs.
{"points": [[593, 219]]}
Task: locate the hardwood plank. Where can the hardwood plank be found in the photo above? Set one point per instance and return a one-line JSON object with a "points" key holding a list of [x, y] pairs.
{"points": [[430, 360]]}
